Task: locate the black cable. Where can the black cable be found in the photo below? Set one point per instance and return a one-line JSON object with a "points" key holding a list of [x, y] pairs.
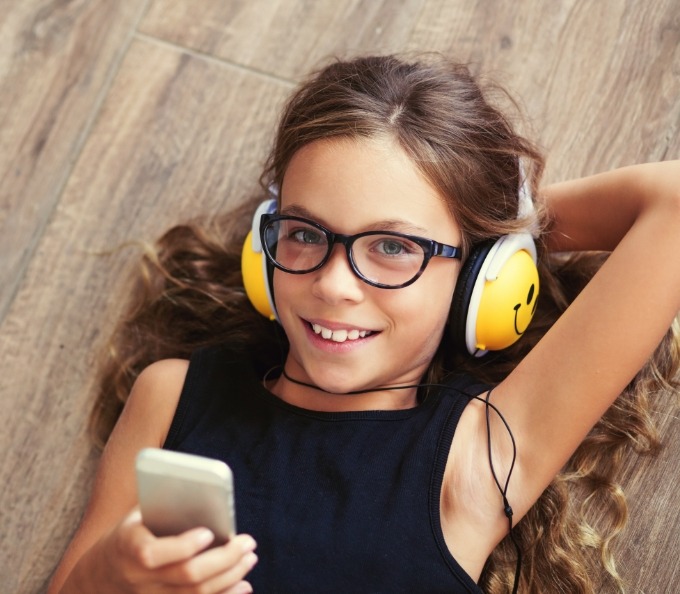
{"points": [[503, 489], [507, 509]]}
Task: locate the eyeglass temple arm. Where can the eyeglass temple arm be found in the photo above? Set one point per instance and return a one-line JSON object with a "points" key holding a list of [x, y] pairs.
{"points": [[446, 251]]}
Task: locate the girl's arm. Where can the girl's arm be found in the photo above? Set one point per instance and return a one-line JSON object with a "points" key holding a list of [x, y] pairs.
{"points": [[112, 551], [566, 383]]}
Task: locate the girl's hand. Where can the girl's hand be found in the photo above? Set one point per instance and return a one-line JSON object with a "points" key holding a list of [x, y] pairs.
{"points": [[133, 560]]}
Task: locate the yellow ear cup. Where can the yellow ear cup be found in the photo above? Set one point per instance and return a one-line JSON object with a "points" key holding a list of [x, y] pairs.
{"points": [[255, 278], [507, 303]]}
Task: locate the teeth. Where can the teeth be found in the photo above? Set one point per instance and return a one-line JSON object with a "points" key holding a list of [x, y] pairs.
{"points": [[339, 335]]}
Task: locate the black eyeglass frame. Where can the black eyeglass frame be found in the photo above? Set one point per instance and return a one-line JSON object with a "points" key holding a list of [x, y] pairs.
{"points": [[431, 248]]}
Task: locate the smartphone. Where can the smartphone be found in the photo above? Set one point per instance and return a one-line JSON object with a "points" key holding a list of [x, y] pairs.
{"points": [[180, 491]]}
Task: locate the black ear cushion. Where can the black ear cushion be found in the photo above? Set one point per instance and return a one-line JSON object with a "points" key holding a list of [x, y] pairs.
{"points": [[460, 304]]}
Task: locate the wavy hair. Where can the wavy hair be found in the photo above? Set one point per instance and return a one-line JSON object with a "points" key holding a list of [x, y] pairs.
{"points": [[189, 292]]}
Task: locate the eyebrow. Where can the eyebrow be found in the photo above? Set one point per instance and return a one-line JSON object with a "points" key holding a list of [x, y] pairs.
{"points": [[398, 225]]}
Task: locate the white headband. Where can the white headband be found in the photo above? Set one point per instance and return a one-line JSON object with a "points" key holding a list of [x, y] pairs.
{"points": [[526, 207]]}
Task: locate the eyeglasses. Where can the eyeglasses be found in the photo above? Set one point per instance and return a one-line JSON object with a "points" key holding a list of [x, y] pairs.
{"points": [[383, 259]]}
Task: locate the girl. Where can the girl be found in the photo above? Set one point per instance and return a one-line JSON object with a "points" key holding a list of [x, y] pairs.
{"points": [[372, 450]]}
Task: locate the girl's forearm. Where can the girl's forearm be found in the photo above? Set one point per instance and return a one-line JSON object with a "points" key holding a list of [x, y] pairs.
{"points": [[595, 212]]}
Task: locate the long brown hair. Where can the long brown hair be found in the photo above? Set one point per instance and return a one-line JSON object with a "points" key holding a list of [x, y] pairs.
{"points": [[190, 291]]}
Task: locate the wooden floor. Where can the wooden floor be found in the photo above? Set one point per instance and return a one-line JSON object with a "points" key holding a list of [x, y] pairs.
{"points": [[118, 119]]}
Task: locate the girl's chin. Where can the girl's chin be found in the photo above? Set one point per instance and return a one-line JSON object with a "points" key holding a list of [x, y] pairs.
{"points": [[330, 385], [321, 376]]}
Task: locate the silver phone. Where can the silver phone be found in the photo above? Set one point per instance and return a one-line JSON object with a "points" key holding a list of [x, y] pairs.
{"points": [[180, 491]]}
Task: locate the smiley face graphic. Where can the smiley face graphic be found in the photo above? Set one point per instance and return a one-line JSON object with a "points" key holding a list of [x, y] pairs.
{"points": [[508, 303], [529, 307]]}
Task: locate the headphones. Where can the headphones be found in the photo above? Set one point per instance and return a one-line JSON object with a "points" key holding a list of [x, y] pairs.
{"points": [[258, 274], [495, 296]]}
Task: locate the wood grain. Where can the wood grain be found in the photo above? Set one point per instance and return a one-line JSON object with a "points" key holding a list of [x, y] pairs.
{"points": [[118, 119], [285, 37], [56, 60], [649, 549]]}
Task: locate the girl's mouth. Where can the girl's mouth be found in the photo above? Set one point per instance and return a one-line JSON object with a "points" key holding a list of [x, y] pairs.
{"points": [[341, 335]]}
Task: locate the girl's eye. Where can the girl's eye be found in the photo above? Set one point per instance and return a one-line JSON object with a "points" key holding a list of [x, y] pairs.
{"points": [[307, 236], [390, 246]]}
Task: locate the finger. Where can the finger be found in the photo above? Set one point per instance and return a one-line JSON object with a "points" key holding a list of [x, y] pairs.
{"points": [[230, 580], [242, 587], [134, 524], [133, 518], [155, 552], [215, 562]]}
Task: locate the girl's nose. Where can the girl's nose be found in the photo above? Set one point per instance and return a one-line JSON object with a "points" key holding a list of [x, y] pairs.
{"points": [[336, 282]]}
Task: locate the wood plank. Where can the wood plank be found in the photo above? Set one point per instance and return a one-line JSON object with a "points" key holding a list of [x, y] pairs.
{"points": [[56, 59], [287, 38], [648, 550], [178, 135]]}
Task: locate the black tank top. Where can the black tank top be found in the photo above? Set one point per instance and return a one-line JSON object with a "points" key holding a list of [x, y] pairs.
{"points": [[337, 502]]}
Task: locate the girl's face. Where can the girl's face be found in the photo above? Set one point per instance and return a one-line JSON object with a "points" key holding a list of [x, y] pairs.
{"points": [[344, 334]]}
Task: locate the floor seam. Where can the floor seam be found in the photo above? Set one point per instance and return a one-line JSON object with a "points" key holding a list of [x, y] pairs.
{"points": [[211, 58]]}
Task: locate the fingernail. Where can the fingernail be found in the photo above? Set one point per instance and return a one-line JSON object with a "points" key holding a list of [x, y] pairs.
{"points": [[243, 588]]}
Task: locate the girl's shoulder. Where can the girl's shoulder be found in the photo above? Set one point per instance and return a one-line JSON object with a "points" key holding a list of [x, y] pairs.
{"points": [[161, 380], [155, 395]]}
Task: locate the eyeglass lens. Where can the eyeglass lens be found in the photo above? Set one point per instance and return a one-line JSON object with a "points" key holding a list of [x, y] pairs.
{"points": [[381, 258]]}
